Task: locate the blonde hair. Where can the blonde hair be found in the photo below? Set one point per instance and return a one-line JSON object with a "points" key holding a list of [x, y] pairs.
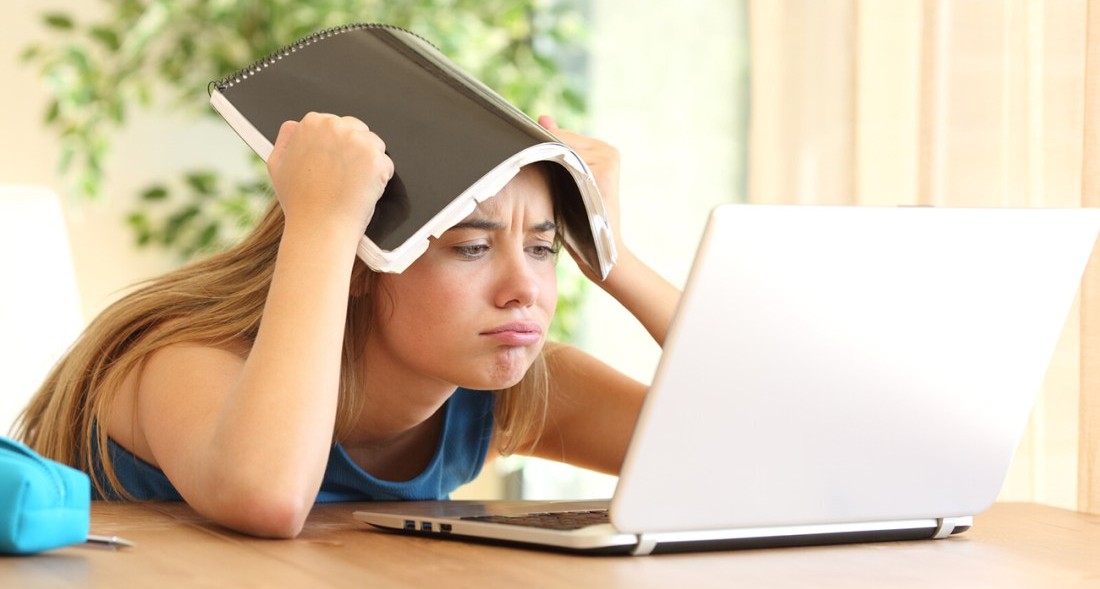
{"points": [[216, 301]]}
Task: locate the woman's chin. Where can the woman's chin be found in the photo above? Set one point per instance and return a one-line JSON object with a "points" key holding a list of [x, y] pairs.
{"points": [[496, 383], [506, 370]]}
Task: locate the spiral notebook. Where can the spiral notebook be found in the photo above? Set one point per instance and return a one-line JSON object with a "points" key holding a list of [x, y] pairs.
{"points": [[454, 142]]}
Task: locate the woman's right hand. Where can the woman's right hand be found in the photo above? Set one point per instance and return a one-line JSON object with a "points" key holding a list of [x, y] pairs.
{"points": [[329, 169]]}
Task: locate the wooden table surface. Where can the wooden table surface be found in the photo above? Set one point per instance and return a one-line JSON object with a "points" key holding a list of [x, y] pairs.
{"points": [[1011, 545]]}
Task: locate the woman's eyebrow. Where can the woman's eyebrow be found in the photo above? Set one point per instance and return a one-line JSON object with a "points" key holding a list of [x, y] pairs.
{"points": [[482, 224], [545, 227], [491, 225]]}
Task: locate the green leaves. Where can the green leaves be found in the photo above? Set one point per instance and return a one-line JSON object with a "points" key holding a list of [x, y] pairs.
{"points": [[55, 20], [197, 213], [106, 37], [203, 183]]}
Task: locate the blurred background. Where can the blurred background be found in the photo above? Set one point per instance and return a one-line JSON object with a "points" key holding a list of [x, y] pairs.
{"points": [[110, 149]]}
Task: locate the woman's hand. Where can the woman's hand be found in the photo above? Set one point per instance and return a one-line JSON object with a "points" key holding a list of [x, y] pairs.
{"points": [[603, 160], [327, 168], [643, 292]]}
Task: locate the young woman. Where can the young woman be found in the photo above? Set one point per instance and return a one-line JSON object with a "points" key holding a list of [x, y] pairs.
{"points": [[283, 372]]}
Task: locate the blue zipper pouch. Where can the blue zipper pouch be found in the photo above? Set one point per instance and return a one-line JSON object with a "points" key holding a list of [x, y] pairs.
{"points": [[43, 504]]}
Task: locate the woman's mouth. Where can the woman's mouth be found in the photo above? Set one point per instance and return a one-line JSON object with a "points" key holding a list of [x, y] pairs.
{"points": [[517, 333]]}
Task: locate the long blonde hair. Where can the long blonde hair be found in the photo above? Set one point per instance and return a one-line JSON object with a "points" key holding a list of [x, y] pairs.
{"points": [[216, 301]]}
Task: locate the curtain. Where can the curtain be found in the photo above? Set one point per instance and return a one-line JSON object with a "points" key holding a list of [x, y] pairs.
{"points": [[950, 103], [1088, 491]]}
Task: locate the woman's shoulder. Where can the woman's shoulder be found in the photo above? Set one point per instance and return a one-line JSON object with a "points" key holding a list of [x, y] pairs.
{"points": [[172, 361], [167, 377]]}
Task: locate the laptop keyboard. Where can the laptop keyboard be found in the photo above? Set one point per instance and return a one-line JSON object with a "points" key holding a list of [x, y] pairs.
{"points": [[555, 520]]}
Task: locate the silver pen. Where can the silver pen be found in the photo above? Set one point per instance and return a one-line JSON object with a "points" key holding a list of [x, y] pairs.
{"points": [[108, 541]]}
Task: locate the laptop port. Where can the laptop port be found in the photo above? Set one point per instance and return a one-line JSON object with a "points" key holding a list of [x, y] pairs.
{"points": [[410, 524], [445, 528], [425, 526]]}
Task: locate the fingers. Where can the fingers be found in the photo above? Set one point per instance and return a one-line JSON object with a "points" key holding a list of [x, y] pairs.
{"points": [[286, 131], [329, 167], [548, 123], [356, 124], [319, 130], [584, 145], [603, 159], [278, 151]]}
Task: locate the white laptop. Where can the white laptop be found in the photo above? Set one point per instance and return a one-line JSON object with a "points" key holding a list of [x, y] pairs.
{"points": [[833, 374]]}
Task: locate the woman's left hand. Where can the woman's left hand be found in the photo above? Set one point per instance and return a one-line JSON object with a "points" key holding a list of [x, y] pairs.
{"points": [[647, 295], [603, 159]]}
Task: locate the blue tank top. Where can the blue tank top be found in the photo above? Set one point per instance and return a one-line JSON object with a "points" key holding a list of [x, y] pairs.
{"points": [[467, 430]]}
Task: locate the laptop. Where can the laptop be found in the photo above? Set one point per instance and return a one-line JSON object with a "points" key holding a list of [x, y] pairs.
{"points": [[833, 374]]}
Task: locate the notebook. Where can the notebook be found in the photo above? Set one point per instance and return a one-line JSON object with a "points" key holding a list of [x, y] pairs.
{"points": [[453, 141], [833, 374]]}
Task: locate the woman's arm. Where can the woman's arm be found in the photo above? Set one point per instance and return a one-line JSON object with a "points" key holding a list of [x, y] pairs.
{"points": [[245, 436], [643, 292]]}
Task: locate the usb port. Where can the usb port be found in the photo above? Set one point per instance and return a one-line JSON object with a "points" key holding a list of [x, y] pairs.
{"points": [[425, 526], [410, 524]]}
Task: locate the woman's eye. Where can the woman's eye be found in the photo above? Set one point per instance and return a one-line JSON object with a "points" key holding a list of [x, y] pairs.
{"points": [[542, 252], [471, 251]]}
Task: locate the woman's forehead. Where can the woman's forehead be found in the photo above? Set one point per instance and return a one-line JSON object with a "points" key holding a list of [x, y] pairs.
{"points": [[530, 189]]}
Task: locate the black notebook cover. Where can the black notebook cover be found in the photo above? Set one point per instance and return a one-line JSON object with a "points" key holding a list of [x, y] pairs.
{"points": [[454, 142]]}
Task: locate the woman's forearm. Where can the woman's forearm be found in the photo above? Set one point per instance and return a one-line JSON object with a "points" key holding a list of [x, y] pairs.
{"points": [[645, 293], [274, 429]]}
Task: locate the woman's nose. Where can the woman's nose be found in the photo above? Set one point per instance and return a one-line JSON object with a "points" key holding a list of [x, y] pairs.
{"points": [[517, 283]]}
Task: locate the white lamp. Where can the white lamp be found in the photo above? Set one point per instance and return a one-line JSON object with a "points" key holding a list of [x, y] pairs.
{"points": [[39, 302]]}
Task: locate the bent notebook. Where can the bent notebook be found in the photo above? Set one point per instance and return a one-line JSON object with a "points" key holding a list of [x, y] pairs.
{"points": [[454, 142], [832, 374]]}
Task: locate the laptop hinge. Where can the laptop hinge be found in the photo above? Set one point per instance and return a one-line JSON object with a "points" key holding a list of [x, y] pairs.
{"points": [[645, 545], [944, 527]]}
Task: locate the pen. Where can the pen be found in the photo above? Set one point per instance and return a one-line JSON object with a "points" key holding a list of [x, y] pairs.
{"points": [[108, 541]]}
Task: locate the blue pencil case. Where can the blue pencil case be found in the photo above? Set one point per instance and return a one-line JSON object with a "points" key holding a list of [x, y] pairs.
{"points": [[43, 504]]}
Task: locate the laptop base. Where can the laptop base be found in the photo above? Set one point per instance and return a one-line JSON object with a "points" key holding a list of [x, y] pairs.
{"points": [[449, 520], [687, 546]]}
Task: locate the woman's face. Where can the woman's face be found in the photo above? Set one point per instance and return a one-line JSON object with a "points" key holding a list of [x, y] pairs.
{"points": [[474, 309]]}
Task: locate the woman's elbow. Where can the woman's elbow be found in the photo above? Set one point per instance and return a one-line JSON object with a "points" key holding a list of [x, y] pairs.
{"points": [[264, 513], [277, 518]]}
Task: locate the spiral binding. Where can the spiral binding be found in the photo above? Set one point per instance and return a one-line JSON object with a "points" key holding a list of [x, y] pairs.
{"points": [[255, 67]]}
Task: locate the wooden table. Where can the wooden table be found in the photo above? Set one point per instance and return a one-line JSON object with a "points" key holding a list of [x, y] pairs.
{"points": [[1011, 545]]}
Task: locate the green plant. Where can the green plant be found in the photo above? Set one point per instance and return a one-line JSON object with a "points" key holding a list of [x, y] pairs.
{"points": [[149, 53]]}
